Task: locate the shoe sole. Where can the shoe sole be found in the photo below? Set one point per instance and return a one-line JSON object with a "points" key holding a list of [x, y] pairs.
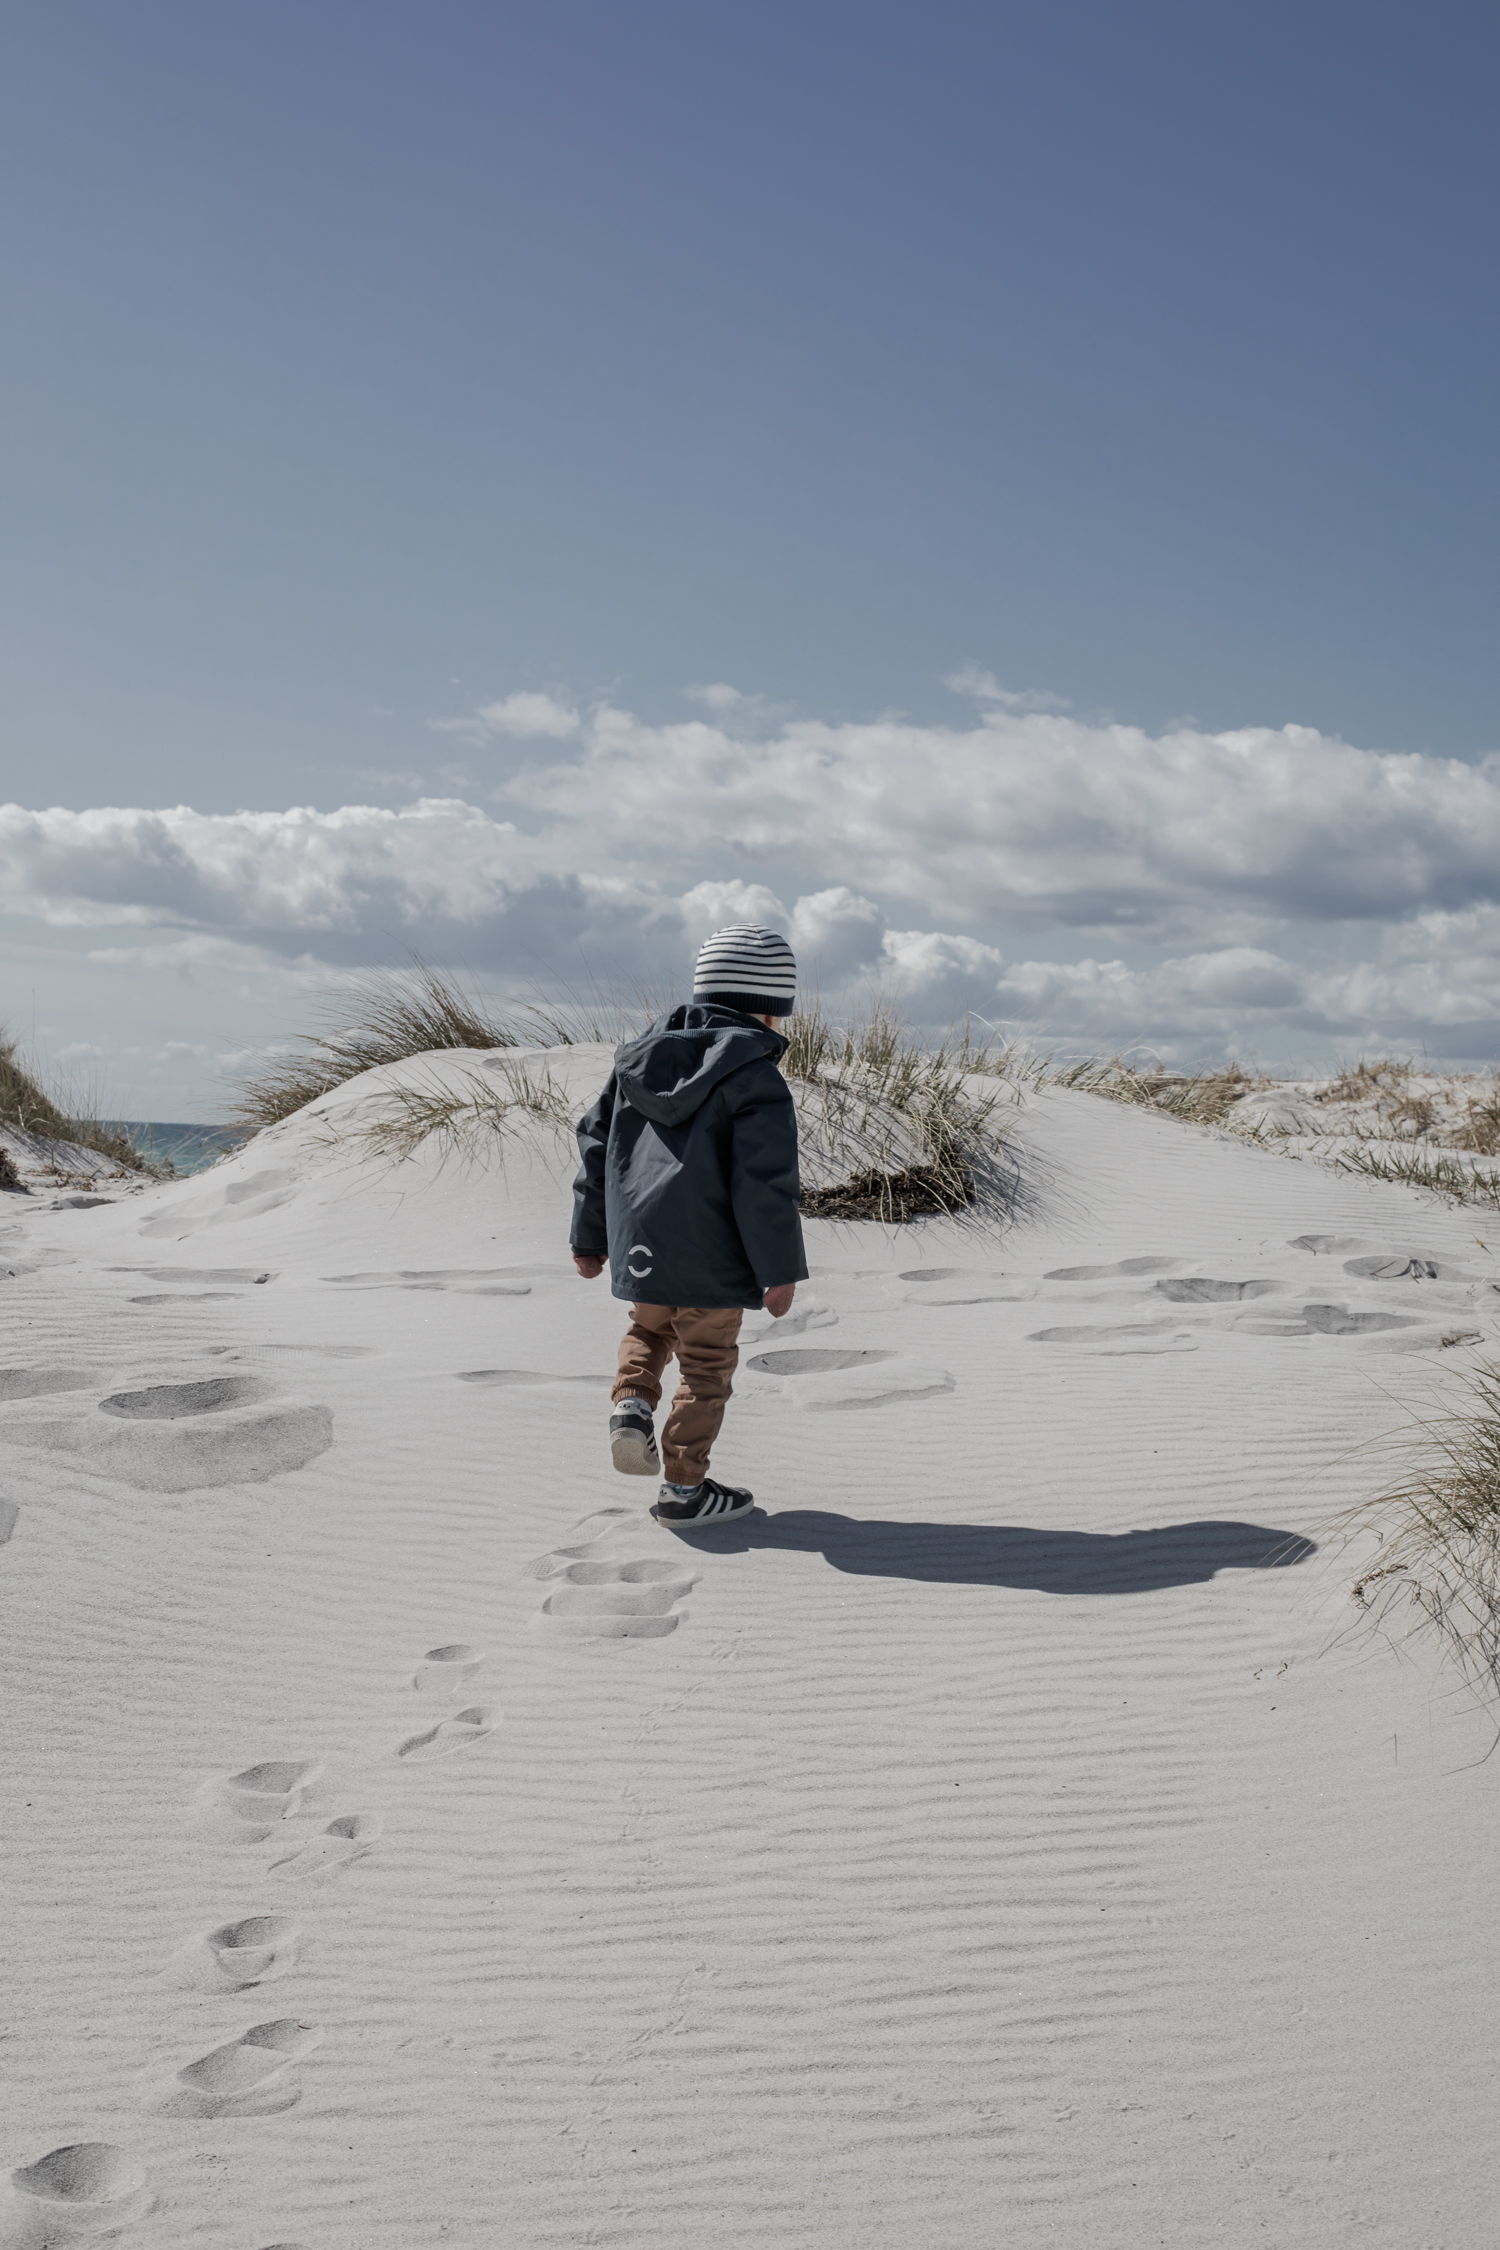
{"points": [[704, 1523], [634, 1454]]}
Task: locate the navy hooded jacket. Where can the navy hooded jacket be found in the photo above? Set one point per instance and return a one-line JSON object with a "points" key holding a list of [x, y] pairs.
{"points": [[689, 1176]]}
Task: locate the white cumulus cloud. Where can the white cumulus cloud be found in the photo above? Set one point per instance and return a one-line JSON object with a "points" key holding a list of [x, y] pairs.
{"points": [[1272, 885], [1041, 817], [985, 688], [925, 965], [521, 716]]}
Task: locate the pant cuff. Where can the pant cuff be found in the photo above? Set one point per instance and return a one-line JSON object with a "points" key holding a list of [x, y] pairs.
{"points": [[635, 1386]]}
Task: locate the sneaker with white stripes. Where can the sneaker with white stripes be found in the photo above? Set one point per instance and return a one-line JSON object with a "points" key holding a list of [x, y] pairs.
{"points": [[702, 1503], [632, 1440]]}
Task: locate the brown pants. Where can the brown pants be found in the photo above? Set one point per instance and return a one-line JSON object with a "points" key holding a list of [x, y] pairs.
{"points": [[704, 1344]]}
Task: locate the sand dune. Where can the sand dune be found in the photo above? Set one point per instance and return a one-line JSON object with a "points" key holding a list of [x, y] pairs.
{"points": [[996, 1839]]}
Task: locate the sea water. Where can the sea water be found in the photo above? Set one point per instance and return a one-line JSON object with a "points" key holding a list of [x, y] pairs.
{"points": [[187, 1148]]}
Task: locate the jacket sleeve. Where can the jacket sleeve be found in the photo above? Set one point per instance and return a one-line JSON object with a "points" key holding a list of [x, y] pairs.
{"points": [[589, 1236], [763, 1180]]}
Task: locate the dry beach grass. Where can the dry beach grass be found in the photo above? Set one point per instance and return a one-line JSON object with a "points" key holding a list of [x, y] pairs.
{"points": [[1436, 1566], [1208, 1097], [892, 1129], [466, 1118], [889, 1127], [391, 1015], [49, 1130], [880, 1103], [385, 1017], [1385, 1118]]}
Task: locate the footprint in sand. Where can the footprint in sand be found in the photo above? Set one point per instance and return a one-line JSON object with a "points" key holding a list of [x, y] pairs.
{"points": [[811, 1361], [1377, 1261], [1337, 1320], [1125, 1267], [190, 1436], [252, 2076], [830, 1379], [475, 1281], [811, 1313], [186, 1297], [176, 1402], [963, 1285], [292, 1352], [1124, 1340], [1320, 1320], [328, 1855], [583, 1536], [448, 1670], [253, 1951], [610, 1598], [525, 1378], [36, 1382], [618, 1601], [1197, 1289], [1395, 1268], [87, 2191], [1402, 1265], [242, 1199], [214, 1276], [247, 1807], [457, 1733]]}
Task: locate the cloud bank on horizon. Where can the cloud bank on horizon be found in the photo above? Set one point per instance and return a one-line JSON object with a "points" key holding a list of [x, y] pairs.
{"points": [[1269, 891]]}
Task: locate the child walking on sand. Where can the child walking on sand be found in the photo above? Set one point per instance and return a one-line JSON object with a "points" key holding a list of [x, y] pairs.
{"points": [[688, 1189]]}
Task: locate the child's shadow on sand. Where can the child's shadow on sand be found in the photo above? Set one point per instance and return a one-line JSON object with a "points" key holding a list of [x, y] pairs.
{"points": [[1045, 1562]]}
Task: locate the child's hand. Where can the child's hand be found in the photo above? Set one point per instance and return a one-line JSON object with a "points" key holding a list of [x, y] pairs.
{"points": [[589, 1264], [778, 1301]]}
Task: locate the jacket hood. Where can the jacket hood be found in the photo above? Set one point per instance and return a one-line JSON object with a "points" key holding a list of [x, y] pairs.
{"points": [[671, 1070]]}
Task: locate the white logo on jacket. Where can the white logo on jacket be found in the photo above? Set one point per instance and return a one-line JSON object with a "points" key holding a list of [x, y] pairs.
{"points": [[639, 1250]]}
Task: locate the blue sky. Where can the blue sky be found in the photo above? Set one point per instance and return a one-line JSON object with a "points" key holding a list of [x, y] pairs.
{"points": [[367, 366]]}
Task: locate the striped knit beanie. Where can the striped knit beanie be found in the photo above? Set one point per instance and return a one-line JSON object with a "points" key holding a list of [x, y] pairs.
{"points": [[750, 968]]}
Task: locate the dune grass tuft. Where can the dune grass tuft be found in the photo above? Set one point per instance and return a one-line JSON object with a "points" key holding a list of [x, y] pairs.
{"points": [[1480, 1131], [920, 1192], [1426, 1168], [889, 1129], [1377, 1078], [383, 1018], [463, 1118], [1402, 1134], [22, 1102], [1208, 1097], [25, 1105], [392, 1014], [1438, 1565], [1408, 1105]]}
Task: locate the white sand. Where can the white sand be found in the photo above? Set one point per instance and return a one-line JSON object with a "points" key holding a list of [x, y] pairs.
{"points": [[407, 1842]]}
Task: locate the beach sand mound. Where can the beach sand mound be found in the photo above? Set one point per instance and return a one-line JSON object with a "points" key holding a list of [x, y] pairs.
{"points": [[992, 1839]]}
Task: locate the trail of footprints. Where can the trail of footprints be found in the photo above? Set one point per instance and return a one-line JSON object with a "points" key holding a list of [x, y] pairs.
{"points": [[92, 2189], [598, 1596], [251, 1807], [1460, 1295], [87, 2190]]}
